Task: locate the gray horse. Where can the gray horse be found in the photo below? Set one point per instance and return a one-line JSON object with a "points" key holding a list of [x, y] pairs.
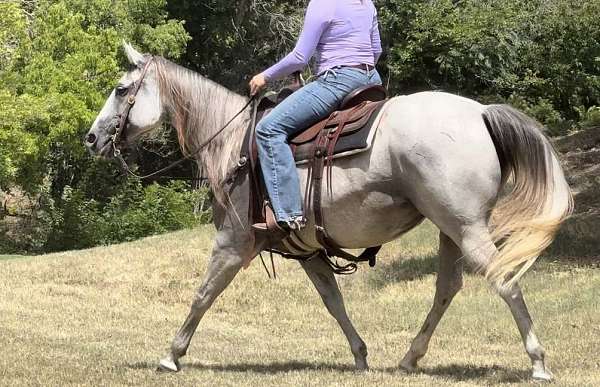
{"points": [[484, 175]]}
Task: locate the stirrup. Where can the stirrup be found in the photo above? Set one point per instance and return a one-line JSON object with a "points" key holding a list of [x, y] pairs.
{"points": [[270, 225]]}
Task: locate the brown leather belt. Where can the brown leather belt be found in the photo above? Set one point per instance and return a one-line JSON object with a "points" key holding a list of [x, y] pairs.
{"points": [[362, 66]]}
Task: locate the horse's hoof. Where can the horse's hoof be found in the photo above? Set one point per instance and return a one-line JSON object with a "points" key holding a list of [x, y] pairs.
{"points": [[408, 366], [168, 365], [362, 366], [542, 375]]}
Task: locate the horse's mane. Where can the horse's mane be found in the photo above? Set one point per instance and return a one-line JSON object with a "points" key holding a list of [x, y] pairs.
{"points": [[198, 107]]}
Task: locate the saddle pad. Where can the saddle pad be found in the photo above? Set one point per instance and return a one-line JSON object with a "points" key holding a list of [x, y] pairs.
{"points": [[357, 142]]}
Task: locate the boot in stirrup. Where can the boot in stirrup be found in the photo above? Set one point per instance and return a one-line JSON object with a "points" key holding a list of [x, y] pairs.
{"points": [[279, 229]]}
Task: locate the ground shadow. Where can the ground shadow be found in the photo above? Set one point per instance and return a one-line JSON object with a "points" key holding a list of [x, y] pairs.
{"points": [[456, 372], [466, 372], [261, 368], [403, 270]]}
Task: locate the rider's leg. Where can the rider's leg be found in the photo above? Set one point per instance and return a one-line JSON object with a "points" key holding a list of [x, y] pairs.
{"points": [[305, 107]]}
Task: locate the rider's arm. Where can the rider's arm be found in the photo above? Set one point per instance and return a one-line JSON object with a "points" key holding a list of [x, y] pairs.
{"points": [[375, 39], [317, 19]]}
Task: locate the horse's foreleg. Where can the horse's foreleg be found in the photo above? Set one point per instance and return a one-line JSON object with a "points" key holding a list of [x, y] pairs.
{"points": [[449, 282], [224, 264], [324, 280]]}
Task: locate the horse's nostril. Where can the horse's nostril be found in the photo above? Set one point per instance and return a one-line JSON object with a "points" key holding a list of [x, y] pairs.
{"points": [[91, 138]]}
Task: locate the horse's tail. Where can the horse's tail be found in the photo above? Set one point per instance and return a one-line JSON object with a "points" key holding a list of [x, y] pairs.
{"points": [[525, 220]]}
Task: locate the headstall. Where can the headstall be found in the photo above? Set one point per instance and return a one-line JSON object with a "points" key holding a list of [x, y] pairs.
{"points": [[123, 118]]}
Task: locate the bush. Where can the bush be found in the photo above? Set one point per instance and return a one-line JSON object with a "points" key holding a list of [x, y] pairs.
{"points": [[590, 118], [135, 212], [546, 52]]}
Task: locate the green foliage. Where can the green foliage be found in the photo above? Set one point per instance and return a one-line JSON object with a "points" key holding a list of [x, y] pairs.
{"points": [[545, 54], [136, 211], [60, 60], [78, 220], [590, 118], [233, 40]]}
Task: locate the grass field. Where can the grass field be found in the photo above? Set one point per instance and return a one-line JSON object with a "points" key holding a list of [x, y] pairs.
{"points": [[5, 257], [105, 316]]}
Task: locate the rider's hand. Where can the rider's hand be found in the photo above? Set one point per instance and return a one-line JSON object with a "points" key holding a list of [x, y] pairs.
{"points": [[257, 84]]}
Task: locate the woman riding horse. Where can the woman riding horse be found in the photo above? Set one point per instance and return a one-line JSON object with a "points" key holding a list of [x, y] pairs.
{"points": [[343, 35]]}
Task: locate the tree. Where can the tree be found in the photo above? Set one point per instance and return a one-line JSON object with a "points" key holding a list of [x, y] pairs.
{"points": [[543, 56], [60, 59], [233, 40]]}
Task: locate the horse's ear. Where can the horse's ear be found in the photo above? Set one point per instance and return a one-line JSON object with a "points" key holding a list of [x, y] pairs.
{"points": [[135, 57]]}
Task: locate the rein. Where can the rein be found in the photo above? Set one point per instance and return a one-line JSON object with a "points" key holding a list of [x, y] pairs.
{"points": [[123, 119]]}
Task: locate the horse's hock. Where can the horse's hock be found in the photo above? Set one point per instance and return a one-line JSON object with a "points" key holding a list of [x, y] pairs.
{"points": [[581, 161]]}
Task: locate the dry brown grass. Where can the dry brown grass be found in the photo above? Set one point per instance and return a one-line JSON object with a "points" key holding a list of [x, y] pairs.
{"points": [[105, 316]]}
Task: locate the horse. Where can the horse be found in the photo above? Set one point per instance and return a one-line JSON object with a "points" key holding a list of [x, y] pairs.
{"points": [[486, 176]]}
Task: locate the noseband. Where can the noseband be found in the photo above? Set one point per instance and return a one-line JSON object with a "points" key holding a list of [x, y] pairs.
{"points": [[123, 118]]}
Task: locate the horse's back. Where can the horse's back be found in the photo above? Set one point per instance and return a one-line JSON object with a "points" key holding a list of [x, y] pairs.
{"points": [[431, 155]]}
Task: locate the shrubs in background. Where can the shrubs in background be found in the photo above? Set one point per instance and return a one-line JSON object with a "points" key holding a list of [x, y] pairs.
{"points": [[134, 212], [60, 58], [74, 221], [542, 54]]}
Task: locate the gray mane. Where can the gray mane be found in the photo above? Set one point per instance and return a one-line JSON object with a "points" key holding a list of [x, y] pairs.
{"points": [[198, 107]]}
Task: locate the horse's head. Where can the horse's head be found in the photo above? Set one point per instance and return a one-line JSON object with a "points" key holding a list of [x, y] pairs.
{"points": [[133, 108]]}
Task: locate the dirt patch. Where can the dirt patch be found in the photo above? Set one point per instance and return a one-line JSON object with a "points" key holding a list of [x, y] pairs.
{"points": [[19, 222], [580, 154]]}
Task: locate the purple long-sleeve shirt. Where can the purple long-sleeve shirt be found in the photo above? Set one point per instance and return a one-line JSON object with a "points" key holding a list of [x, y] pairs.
{"points": [[336, 32]]}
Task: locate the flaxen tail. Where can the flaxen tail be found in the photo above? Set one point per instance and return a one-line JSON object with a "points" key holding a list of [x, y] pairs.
{"points": [[525, 220]]}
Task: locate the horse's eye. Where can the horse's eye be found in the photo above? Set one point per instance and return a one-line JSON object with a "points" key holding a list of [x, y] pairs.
{"points": [[122, 91]]}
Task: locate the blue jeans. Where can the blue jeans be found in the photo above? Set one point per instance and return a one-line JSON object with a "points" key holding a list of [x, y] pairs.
{"points": [[304, 108]]}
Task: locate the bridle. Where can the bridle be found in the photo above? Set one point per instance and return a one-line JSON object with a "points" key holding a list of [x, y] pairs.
{"points": [[123, 120], [123, 117]]}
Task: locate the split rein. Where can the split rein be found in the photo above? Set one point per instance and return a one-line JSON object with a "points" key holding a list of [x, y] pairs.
{"points": [[123, 119]]}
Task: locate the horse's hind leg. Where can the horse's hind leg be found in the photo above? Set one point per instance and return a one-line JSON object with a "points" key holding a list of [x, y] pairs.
{"points": [[322, 277], [479, 249], [518, 308], [449, 282], [224, 264]]}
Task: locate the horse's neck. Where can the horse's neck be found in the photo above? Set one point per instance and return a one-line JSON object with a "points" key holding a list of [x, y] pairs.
{"points": [[199, 108], [208, 106]]}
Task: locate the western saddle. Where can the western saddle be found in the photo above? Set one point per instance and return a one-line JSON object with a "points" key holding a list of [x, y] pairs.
{"points": [[345, 130]]}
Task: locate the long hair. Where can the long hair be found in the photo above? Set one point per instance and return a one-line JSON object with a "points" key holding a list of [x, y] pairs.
{"points": [[198, 107], [524, 221]]}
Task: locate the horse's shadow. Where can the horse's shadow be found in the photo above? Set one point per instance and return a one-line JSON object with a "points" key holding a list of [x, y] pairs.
{"points": [[456, 372], [260, 368], [404, 270], [467, 372]]}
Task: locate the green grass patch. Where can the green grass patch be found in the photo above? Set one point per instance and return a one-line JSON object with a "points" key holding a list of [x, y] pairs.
{"points": [[7, 257]]}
